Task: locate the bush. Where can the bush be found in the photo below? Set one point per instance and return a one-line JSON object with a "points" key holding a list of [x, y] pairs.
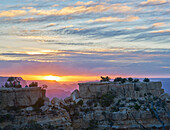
{"points": [[123, 80], [107, 99], [146, 80], [130, 79], [80, 103], [93, 124], [11, 79], [33, 125], [136, 106], [105, 79], [33, 84], [38, 104], [118, 79], [136, 80]]}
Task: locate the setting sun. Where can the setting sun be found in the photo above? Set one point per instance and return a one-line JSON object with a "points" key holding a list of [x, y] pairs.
{"points": [[52, 78]]}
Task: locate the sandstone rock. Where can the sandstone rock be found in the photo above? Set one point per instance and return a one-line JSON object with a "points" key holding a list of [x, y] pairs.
{"points": [[20, 97], [29, 109], [77, 100], [44, 108], [68, 99], [56, 102], [75, 95], [164, 96]]}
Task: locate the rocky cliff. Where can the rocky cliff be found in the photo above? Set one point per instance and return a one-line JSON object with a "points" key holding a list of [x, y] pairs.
{"points": [[20, 97], [96, 105]]}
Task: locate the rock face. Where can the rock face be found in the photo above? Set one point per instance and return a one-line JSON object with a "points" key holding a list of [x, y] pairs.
{"points": [[95, 106], [20, 97], [121, 106], [133, 90]]}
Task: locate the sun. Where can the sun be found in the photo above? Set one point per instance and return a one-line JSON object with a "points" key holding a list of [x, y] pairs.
{"points": [[50, 77]]}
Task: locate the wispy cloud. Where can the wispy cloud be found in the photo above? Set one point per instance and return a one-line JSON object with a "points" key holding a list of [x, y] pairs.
{"points": [[154, 2], [12, 13], [84, 3], [115, 19]]}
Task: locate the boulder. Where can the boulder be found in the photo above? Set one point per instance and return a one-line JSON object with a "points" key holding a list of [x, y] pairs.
{"points": [[56, 101], [29, 109], [68, 99], [164, 96], [77, 100], [44, 108], [75, 95]]}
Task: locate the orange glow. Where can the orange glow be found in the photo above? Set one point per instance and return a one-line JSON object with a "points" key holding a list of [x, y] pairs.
{"points": [[52, 78]]}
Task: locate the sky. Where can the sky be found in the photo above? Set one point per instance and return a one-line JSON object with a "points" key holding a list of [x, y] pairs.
{"points": [[80, 40]]}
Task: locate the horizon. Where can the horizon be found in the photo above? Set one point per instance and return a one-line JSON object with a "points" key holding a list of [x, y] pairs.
{"points": [[81, 40]]}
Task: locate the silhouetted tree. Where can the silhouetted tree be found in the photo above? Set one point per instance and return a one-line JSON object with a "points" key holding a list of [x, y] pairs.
{"points": [[44, 86], [136, 80], [33, 84], [118, 79], [105, 79], [123, 80], [130, 79], [146, 80]]}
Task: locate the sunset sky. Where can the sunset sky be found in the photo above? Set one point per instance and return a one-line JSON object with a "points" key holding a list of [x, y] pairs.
{"points": [[81, 40]]}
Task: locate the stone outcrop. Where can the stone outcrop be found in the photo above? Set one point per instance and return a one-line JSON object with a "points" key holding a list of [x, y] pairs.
{"points": [[20, 97], [134, 90], [95, 106]]}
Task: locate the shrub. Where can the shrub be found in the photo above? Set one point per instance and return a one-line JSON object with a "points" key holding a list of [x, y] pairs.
{"points": [[107, 99], [80, 103], [93, 124], [11, 79], [118, 79], [33, 125], [130, 79], [146, 80], [136, 80], [95, 105], [115, 109], [89, 102], [136, 106], [38, 104], [33, 84], [105, 79], [123, 80]]}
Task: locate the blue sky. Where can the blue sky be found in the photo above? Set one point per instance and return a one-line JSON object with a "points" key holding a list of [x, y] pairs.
{"points": [[61, 37]]}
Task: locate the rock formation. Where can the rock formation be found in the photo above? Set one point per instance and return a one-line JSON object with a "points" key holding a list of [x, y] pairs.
{"points": [[96, 105]]}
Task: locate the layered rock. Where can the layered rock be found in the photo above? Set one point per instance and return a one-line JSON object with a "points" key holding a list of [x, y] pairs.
{"points": [[20, 97], [134, 90], [95, 105]]}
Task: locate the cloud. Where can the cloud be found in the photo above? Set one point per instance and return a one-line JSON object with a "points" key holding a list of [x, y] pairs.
{"points": [[27, 19], [51, 24], [27, 8], [115, 19], [153, 2], [158, 24], [55, 5], [83, 9], [12, 13], [161, 31], [84, 3]]}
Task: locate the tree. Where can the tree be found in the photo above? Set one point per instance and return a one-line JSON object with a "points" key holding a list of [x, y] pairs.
{"points": [[123, 80], [6, 85], [44, 86], [146, 80], [105, 79], [130, 79], [33, 84], [118, 79], [11, 79], [136, 80]]}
